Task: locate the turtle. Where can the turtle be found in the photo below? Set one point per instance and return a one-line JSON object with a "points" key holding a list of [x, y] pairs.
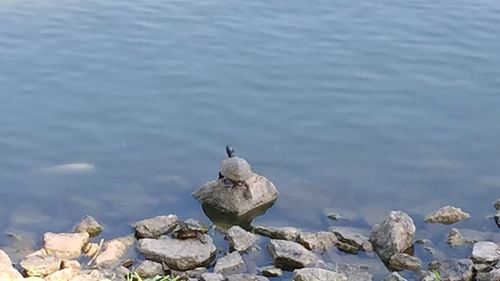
{"points": [[235, 171], [190, 228]]}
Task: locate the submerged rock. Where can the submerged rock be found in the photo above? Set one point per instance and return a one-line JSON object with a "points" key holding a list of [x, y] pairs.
{"points": [[155, 227], [178, 254], [240, 239], [229, 263], [453, 269], [351, 237], [402, 261], [68, 245], [393, 235], [317, 274], [485, 252], [291, 255], [245, 277], [354, 272], [284, 233], [90, 225], [447, 215], [317, 241]]}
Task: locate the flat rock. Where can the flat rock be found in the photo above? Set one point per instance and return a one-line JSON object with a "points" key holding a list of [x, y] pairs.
{"points": [[317, 274], [317, 241], [239, 200], [88, 224], [65, 274], [68, 245], [485, 252], [245, 277], [7, 271], [395, 277], [113, 250], [291, 255], [354, 272], [229, 263], [271, 271], [284, 233], [212, 277], [353, 237], [453, 269], [149, 268], [393, 235], [240, 239], [155, 227], [179, 254], [40, 265], [402, 261], [447, 215]]}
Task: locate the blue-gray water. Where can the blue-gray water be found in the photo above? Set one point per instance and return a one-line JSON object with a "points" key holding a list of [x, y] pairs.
{"points": [[360, 106]]}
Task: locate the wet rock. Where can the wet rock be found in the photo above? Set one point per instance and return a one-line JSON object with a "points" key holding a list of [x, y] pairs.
{"points": [[155, 227], [245, 277], [351, 237], [493, 275], [394, 277], [317, 274], [7, 271], [237, 198], [67, 245], [179, 254], [447, 215], [496, 205], [453, 269], [455, 238], [284, 233], [112, 251], [271, 271], [290, 255], [212, 277], [393, 235], [354, 272], [90, 225], [485, 252], [317, 241], [149, 268], [229, 263], [402, 261], [458, 237], [40, 265], [240, 239]]}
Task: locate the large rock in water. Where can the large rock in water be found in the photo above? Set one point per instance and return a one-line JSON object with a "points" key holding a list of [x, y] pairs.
{"points": [[257, 191], [179, 254], [393, 235]]}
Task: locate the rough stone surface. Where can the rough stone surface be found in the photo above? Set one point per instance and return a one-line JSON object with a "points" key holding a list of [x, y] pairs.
{"points": [[317, 241], [240, 239], [485, 252], [493, 275], [113, 250], [40, 265], [271, 271], [458, 237], [354, 272], [395, 277], [256, 192], [284, 233], [212, 277], [453, 269], [353, 237], [245, 277], [149, 268], [6, 268], [88, 224], [291, 255], [402, 261], [68, 245], [179, 254], [393, 235], [155, 227], [317, 274], [447, 215], [229, 263]]}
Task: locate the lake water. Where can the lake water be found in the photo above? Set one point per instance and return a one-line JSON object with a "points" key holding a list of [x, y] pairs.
{"points": [[363, 107]]}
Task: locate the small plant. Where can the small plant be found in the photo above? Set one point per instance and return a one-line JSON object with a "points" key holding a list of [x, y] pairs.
{"points": [[135, 277], [437, 275]]}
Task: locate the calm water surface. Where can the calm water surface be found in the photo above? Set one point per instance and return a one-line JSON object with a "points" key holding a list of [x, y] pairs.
{"points": [[361, 107]]}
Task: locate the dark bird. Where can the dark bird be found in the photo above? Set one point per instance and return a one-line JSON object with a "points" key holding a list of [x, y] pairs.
{"points": [[230, 151]]}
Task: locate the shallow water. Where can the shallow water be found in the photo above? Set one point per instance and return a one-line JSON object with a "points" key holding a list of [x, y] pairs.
{"points": [[361, 107]]}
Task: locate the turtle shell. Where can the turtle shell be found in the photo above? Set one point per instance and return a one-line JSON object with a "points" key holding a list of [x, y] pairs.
{"points": [[236, 169]]}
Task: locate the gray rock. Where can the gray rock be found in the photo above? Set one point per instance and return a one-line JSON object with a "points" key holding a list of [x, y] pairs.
{"points": [[155, 227], [453, 269], [485, 252], [393, 235], [317, 274], [353, 237], [496, 205], [88, 224], [212, 277], [240, 239], [179, 254], [68, 245], [455, 238], [284, 233], [463, 236], [112, 251], [236, 169], [493, 275], [37, 265], [245, 277], [447, 215], [291, 255], [229, 263], [394, 277], [271, 271], [149, 268], [195, 273], [317, 241], [402, 261], [354, 272], [254, 193]]}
